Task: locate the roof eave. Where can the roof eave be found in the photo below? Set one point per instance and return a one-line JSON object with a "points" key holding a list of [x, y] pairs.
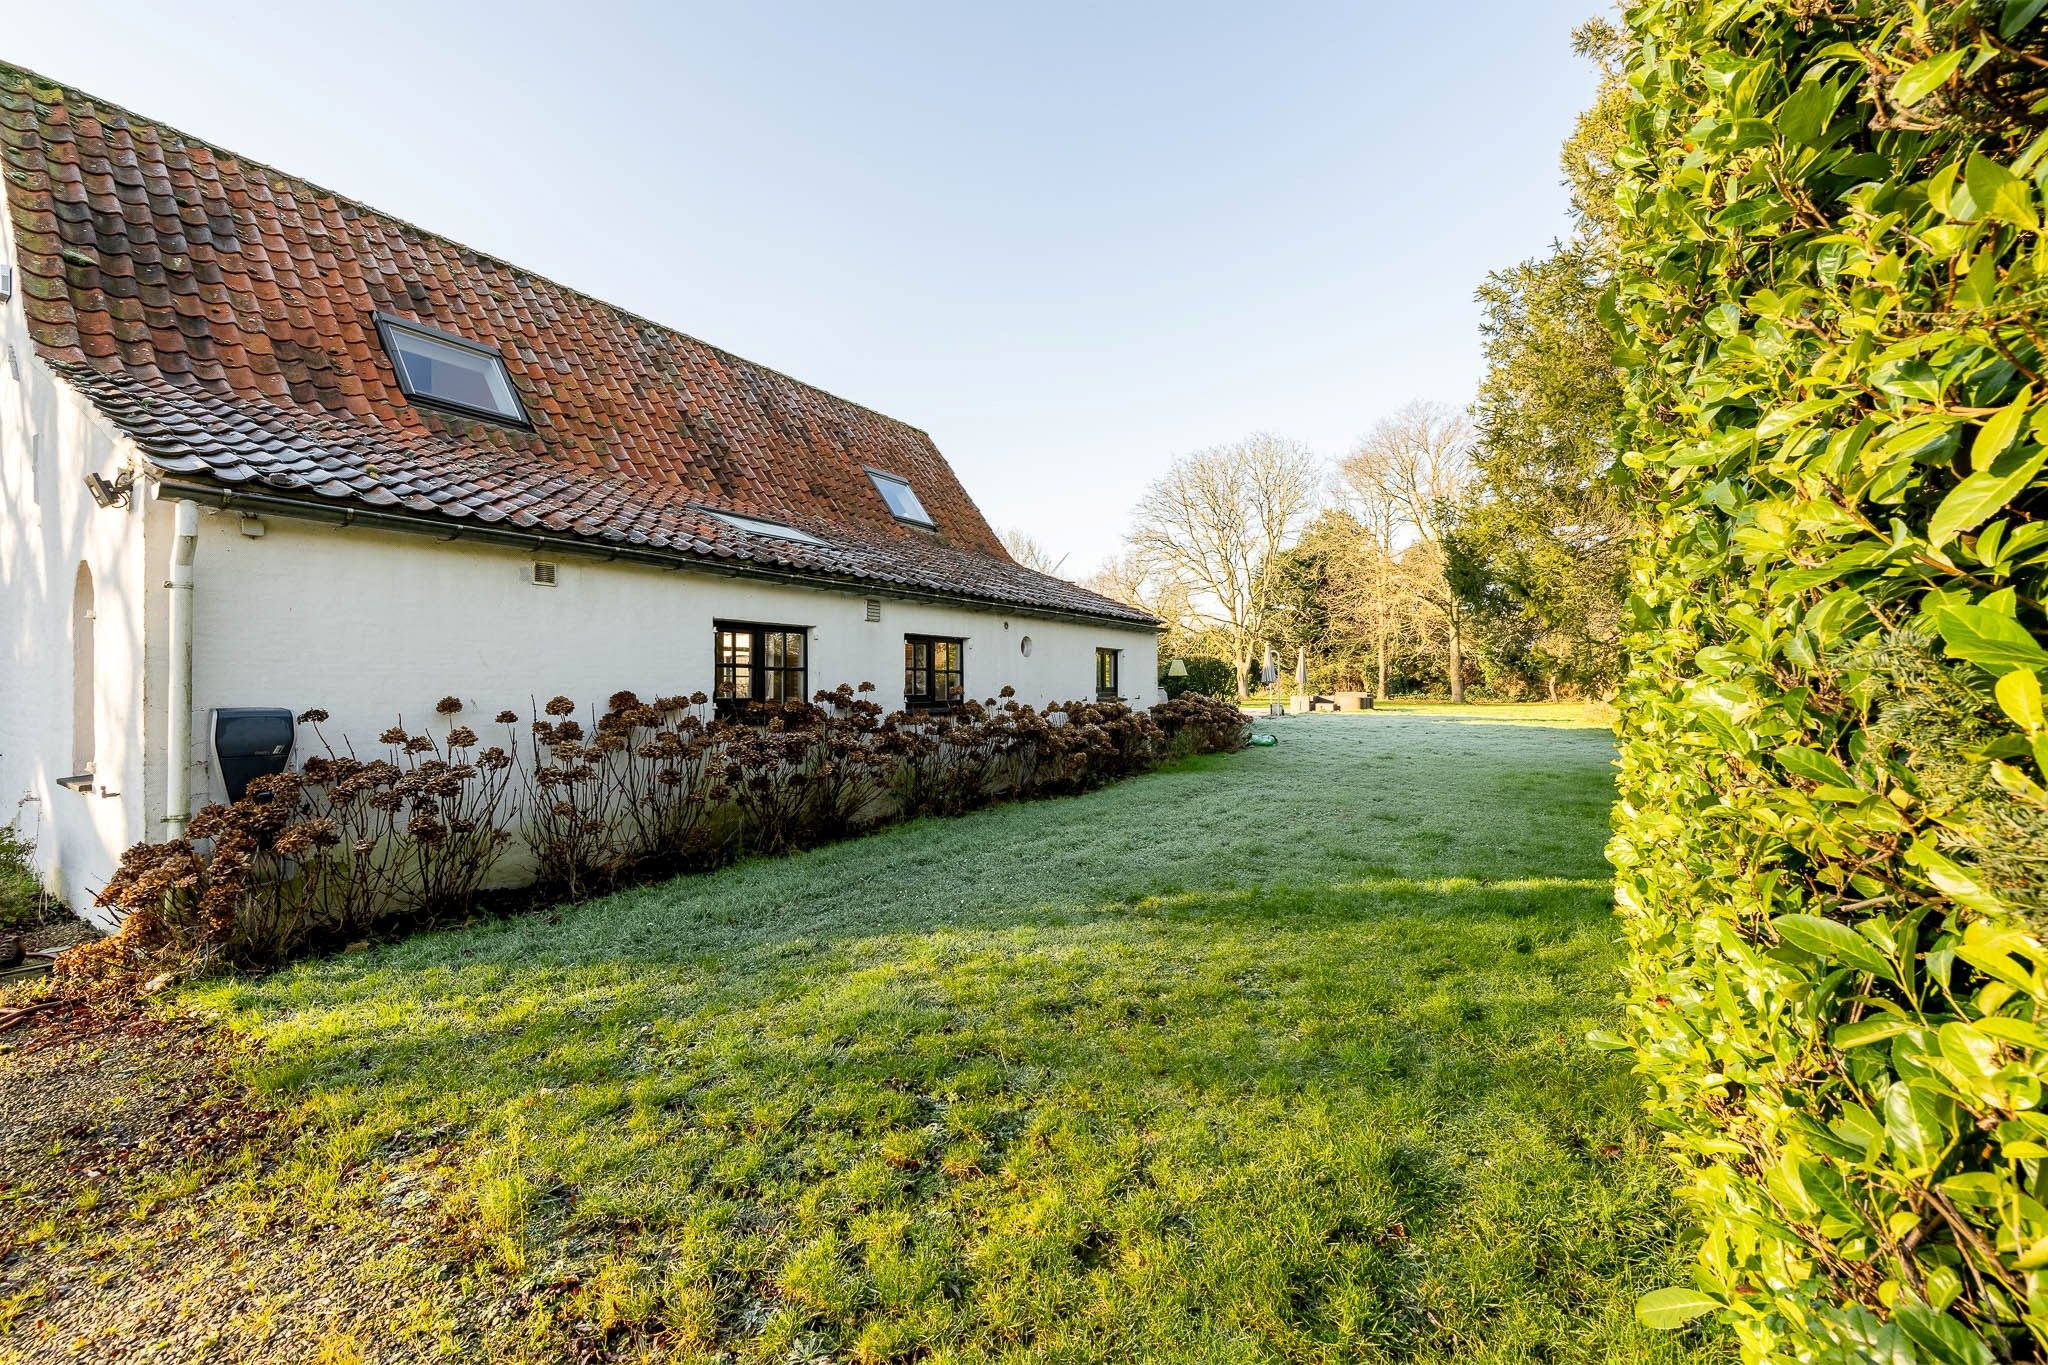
{"points": [[230, 498]]}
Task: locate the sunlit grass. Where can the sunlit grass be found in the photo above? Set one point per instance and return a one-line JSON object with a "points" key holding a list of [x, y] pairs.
{"points": [[1274, 1056]]}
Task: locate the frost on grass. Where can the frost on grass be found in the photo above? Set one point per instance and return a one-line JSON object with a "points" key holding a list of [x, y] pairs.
{"points": [[1275, 1055]]}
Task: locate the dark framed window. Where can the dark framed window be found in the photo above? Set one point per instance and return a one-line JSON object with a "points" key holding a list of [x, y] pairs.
{"points": [[1105, 673], [901, 498], [934, 671], [758, 663], [445, 370]]}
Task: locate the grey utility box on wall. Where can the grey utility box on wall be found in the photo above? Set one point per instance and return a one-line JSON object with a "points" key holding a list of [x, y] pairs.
{"points": [[250, 741]]}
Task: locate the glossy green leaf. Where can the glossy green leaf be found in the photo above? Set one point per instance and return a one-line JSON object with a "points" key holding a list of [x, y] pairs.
{"points": [[1665, 1309], [2019, 696], [1983, 495], [1865, 1031], [1941, 1340], [1804, 116], [2018, 1032], [1815, 766], [1924, 78], [1999, 194], [1831, 942], [1990, 639], [1913, 1127], [2000, 430]]}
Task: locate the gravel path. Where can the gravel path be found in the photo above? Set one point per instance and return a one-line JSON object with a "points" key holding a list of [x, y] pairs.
{"points": [[132, 1227]]}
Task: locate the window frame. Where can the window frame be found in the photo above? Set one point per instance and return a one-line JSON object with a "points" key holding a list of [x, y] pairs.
{"points": [[760, 526], [390, 323], [930, 699], [876, 477], [1115, 658], [757, 664]]}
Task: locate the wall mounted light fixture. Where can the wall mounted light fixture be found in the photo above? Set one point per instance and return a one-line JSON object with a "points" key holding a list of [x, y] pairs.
{"points": [[111, 493]]}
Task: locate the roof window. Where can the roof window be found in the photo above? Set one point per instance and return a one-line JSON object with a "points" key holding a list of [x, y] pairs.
{"points": [[754, 526], [450, 371], [902, 499]]}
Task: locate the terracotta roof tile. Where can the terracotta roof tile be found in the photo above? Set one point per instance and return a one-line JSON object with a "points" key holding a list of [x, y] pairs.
{"points": [[221, 313]]}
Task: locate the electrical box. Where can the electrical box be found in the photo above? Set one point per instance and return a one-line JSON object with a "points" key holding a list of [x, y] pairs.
{"points": [[249, 742]]}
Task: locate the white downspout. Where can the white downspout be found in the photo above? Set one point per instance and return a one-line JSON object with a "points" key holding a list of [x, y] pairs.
{"points": [[178, 779]]}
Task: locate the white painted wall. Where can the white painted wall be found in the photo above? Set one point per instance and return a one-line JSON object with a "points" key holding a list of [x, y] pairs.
{"points": [[374, 626], [49, 440]]}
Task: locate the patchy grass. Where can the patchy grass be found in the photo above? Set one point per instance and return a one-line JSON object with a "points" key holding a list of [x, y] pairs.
{"points": [[1272, 1056]]}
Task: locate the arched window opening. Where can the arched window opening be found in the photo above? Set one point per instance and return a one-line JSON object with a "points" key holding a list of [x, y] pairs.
{"points": [[83, 700]]}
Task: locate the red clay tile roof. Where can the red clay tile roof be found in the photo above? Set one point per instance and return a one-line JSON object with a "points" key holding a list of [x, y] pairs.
{"points": [[222, 314]]}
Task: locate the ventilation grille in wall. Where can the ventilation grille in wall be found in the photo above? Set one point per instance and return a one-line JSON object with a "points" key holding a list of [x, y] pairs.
{"points": [[874, 609], [543, 574]]}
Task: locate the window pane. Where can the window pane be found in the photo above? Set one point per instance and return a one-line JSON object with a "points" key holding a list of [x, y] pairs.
{"points": [[916, 657], [902, 500], [735, 652], [432, 368], [755, 526]]}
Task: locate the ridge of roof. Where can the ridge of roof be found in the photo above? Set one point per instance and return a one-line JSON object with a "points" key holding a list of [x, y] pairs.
{"points": [[67, 91]]}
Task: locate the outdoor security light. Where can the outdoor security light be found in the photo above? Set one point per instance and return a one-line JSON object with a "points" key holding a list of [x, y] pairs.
{"points": [[111, 494]]}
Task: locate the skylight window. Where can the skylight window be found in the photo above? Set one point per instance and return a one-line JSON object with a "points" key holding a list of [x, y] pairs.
{"points": [[755, 526], [902, 499], [439, 367]]}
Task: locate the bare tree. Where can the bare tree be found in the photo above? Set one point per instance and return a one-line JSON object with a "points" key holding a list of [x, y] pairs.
{"points": [[1213, 526], [1124, 578], [1412, 470], [1025, 549]]}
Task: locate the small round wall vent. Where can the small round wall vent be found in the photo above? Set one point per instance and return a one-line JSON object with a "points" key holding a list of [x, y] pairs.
{"points": [[1025, 645]]}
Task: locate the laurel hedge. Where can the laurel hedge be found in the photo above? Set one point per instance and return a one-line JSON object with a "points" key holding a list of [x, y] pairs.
{"points": [[1832, 839]]}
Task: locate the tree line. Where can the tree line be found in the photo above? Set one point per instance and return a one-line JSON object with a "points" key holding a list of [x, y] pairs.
{"points": [[1450, 548]]}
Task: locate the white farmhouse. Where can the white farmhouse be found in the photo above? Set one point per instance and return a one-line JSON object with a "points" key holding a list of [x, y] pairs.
{"points": [[263, 446]]}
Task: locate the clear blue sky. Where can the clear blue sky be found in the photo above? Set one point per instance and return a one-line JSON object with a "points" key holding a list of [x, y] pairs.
{"points": [[1069, 241]]}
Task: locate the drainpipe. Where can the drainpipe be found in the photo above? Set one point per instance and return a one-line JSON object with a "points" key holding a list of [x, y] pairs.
{"points": [[178, 751]]}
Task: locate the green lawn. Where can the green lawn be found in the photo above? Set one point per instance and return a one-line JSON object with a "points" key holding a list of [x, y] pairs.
{"points": [[1274, 1056]]}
